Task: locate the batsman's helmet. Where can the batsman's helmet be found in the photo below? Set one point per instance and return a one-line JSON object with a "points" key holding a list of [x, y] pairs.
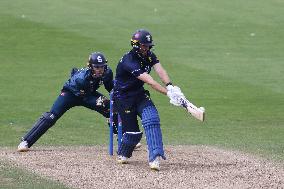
{"points": [[142, 37], [97, 59]]}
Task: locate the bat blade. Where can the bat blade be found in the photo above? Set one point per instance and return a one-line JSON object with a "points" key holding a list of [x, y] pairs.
{"points": [[196, 112]]}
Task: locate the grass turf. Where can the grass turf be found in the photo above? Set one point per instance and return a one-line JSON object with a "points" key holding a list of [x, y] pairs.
{"points": [[12, 178]]}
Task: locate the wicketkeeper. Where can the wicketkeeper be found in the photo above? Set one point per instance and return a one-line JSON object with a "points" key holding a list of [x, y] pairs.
{"points": [[132, 100], [79, 90]]}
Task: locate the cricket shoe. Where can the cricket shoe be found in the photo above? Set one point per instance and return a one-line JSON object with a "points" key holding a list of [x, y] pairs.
{"points": [[23, 146], [155, 165], [122, 159]]}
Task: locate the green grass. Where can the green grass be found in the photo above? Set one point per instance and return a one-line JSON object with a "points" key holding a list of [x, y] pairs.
{"points": [[225, 55], [15, 178]]}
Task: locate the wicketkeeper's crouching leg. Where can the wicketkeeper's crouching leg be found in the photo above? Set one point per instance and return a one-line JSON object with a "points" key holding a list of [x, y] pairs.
{"points": [[46, 121], [151, 124]]}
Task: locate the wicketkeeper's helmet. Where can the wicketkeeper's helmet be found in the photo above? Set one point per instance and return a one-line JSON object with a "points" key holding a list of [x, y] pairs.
{"points": [[142, 36], [97, 59]]}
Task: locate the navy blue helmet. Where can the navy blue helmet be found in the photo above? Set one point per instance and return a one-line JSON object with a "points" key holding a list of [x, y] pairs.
{"points": [[142, 37], [97, 59]]}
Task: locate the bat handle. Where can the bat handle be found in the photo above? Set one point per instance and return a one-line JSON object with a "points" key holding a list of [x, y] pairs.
{"points": [[183, 102]]}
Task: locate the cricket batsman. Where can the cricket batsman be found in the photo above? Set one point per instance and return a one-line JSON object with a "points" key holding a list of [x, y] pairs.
{"points": [[132, 100], [79, 90]]}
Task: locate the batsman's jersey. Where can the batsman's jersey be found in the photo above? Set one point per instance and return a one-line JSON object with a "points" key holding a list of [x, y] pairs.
{"points": [[83, 82], [128, 69]]}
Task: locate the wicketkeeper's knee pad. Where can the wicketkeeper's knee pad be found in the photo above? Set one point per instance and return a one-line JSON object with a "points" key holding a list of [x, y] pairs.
{"points": [[151, 124], [47, 120], [128, 143]]}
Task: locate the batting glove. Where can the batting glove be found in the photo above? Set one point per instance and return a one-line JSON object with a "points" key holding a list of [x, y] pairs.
{"points": [[174, 89], [174, 98]]}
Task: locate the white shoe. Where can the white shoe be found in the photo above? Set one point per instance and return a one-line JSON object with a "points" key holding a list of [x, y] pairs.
{"points": [[23, 146], [137, 146], [122, 160], [155, 165]]}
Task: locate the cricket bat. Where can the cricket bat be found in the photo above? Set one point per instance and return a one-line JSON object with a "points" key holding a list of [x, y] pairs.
{"points": [[198, 113]]}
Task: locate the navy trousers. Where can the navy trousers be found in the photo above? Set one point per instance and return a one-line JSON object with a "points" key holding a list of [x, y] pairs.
{"points": [[67, 100], [130, 108], [64, 102]]}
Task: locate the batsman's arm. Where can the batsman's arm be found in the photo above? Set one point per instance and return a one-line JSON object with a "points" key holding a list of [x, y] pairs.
{"points": [[166, 79], [145, 77], [162, 73]]}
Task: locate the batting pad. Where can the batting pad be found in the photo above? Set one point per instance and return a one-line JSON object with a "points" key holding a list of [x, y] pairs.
{"points": [[151, 124], [128, 143], [47, 120]]}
